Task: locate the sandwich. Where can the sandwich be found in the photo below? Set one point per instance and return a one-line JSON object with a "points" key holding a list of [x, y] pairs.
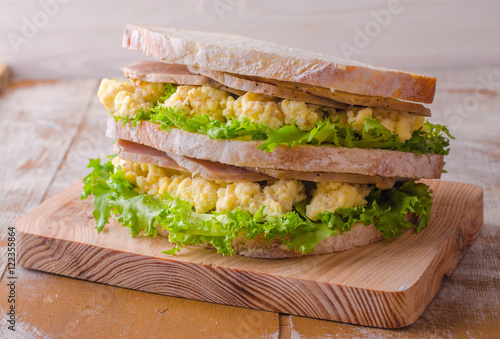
{"points": [[263, 150]]}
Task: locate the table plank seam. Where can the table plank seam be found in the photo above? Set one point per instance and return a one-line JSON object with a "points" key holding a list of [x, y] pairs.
{"points": [[78, 130]]}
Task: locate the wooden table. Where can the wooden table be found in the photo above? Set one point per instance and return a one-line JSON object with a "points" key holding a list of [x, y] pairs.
{"points": [[48, 130]]}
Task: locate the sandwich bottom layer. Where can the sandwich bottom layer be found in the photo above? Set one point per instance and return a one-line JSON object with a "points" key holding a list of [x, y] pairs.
{"points": [[258, 247], [253, 232]]}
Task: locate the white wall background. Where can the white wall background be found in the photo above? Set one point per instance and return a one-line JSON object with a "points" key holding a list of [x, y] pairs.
{"points": [[43, 39]]}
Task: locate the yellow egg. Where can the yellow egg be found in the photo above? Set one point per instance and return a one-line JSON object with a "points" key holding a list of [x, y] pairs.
{"points": [[199, 100], [328, 196], [277, 196], [126, 98], [258, 108]]}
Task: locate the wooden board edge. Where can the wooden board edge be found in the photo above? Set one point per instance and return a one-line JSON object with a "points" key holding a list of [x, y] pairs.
{"points": [[442, 266], [328, 308], [240, 288]]}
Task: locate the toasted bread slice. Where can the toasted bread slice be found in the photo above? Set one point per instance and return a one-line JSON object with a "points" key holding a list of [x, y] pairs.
{"points": [[252, 57]]}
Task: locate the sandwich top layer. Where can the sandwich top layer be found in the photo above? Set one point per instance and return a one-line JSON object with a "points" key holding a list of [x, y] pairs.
{"points": [[220, 114], [251, 57], [161, 72]]}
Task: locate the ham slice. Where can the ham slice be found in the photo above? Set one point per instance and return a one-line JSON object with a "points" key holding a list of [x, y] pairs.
{"points": [[131, 151], [207, 169], [351, 98], [247, 85], [155, 71], [161, 72], [217, 171], [228, 173]]}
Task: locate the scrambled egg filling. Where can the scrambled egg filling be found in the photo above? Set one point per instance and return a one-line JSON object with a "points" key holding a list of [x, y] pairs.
{"points": [[278, 196], [200, 100], [328, 196], [125, 99], [402, 124]]}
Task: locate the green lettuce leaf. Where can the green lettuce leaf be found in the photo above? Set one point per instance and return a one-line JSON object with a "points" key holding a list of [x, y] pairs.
{"points": [[143, 114], [374, 134], [168, 117], [113, 195], [96, 184]]}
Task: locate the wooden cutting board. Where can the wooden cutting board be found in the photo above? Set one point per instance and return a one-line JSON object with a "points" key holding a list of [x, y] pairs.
{"points": [[387, 284]]}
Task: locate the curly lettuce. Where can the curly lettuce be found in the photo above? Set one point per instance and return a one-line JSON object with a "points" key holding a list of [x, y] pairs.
{"points": [[433, 139], [114, 196]]}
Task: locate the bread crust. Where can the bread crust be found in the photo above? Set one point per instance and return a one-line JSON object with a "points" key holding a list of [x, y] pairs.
{"points": [[359, 235], [306, 158], [252, 57]]}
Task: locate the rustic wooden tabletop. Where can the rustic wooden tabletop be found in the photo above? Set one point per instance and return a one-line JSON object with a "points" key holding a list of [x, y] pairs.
{"points": [[50, 129]]}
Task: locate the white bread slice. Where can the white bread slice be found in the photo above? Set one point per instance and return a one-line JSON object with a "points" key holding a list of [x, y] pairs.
{"points": [[372, 162], [359, 235], [246, 56]]}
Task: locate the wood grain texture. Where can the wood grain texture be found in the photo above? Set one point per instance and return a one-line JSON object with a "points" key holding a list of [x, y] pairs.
{"points": [[37, 125], [387, 284], [52, 306], [422, 34], [89, 143]]}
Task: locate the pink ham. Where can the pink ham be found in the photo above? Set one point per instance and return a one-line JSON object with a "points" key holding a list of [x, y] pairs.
{"points": [[207, 169], [221, 172], [161, 72]]}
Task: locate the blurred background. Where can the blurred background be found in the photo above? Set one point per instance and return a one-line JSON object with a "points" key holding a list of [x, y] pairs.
{"points": [[47, 39]]}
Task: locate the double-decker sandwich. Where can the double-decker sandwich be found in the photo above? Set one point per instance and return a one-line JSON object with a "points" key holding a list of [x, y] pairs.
{"points": [[263, 150]]}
